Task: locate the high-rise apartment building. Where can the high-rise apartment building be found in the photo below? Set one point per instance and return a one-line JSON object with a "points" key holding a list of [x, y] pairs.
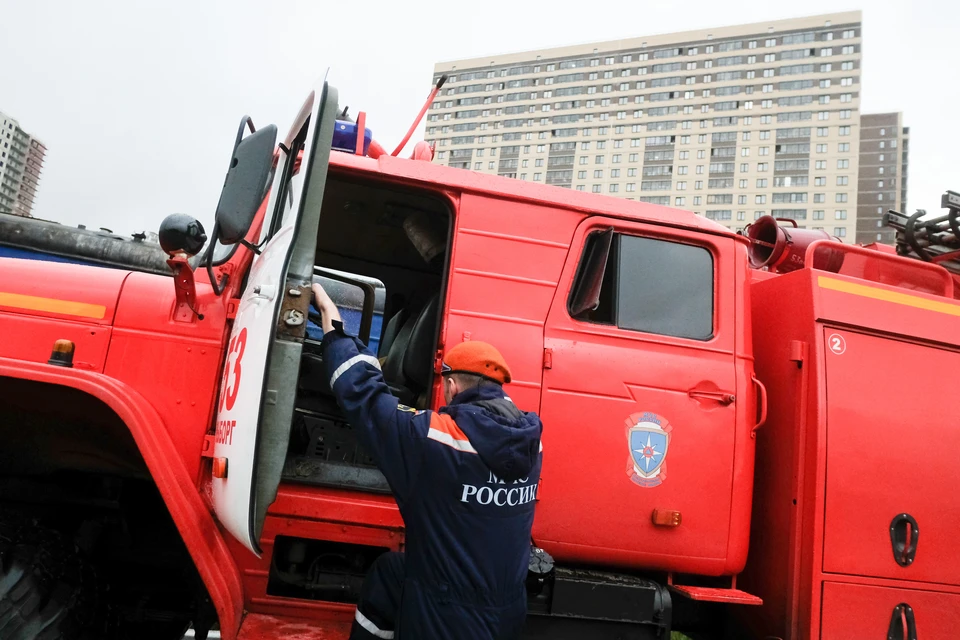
{"points": [[882, 184], [731, 123], [21, 160]]}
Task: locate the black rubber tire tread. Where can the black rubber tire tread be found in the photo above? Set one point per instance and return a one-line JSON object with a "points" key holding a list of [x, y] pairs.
{"points": [[46, 591]]}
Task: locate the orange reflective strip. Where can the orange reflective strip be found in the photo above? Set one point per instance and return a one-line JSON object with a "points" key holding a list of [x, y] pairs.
{"points": [[444, 423], [888, 296], [52, 305]]}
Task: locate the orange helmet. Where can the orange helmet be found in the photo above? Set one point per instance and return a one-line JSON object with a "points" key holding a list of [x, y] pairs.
{"points": [[477, 358]]}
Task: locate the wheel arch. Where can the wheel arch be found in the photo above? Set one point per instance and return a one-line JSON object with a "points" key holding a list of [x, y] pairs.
{"points": [[189, 512]]}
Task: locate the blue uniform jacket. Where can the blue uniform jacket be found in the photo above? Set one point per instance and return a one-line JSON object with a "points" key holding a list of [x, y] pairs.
{"points": [[465, 479]]}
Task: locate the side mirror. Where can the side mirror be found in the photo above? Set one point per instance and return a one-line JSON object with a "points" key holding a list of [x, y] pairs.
{"points": [[180, 233], [245, 183]]}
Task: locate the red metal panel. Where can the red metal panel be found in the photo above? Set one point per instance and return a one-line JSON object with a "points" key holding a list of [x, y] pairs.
{"points": [[885, 308], [73, 292], [859, 612], [602, 377], [31, 339], [887, 431], [783, 542], [146, 340], [507, 259]]}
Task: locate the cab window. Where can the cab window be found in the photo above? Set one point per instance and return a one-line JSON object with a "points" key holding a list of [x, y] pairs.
{"points": [[645, 284]]}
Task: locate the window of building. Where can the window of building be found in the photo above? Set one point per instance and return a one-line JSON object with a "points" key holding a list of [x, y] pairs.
{"points": [[820, 197], [681, 186], [761, 183], [763, 166], [698, 184], [840, 232], [697, 200], [760, 199], [841, 197], [845, 131], [597, 188]]}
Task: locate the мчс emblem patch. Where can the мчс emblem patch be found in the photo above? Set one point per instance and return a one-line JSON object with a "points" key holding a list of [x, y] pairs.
{"points": [[648, 437]]}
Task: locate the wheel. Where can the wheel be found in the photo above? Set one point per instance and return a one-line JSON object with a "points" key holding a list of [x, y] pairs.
{"points": [[46, 591]]}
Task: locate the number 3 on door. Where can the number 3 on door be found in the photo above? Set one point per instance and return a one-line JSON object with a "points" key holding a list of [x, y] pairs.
{"points": [[229, 388]]}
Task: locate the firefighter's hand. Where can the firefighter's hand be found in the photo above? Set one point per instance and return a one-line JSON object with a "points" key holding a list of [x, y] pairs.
{"points": [[328, 310]]}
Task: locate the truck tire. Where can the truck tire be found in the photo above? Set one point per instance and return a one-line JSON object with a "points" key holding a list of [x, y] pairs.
{"points": [[46, 590]]}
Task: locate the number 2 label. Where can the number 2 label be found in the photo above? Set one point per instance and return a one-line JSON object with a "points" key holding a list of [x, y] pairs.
{"points": [[836, 343]]}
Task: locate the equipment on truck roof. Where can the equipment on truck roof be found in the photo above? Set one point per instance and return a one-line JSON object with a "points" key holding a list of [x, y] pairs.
{"points": [[934, 240]]}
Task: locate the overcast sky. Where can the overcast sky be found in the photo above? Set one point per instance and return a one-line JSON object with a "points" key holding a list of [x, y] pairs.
{"points": [[138, 102]]}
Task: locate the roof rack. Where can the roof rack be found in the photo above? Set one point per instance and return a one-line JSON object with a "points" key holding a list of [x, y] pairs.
{"points": [[934, 240]]}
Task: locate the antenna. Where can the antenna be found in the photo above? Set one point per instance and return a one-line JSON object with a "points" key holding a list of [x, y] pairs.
{"points": [[426, 105]]}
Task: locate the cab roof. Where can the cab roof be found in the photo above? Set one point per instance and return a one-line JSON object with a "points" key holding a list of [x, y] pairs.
{"points": [[419, 171]]}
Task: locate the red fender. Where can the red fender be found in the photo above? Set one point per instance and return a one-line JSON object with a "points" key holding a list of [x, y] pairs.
{"points": [[191, 516]]}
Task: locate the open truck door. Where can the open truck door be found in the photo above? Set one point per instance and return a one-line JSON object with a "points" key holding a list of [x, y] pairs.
{"points": [[257, 393]]}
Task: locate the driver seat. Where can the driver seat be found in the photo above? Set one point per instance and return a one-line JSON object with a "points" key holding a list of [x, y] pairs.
{"points": [[408, 364]]}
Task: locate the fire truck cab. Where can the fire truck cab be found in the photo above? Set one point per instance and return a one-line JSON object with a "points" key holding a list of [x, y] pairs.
{"points": [[200, 401]]}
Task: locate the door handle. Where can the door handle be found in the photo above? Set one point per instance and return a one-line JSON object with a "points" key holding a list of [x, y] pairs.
{"points": [[761, 406], [903, 626], [904, 536], [722, 397]]}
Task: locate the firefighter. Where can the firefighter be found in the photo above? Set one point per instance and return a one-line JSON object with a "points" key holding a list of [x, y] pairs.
{"points": [[465, 479]]}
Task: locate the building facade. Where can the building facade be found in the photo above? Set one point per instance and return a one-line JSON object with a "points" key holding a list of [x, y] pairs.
{"points": [[731, 123], [21, 161], [882, 184]]}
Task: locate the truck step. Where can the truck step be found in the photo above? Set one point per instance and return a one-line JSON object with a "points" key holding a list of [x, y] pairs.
{"points": [[709, 594], [256, 627]]}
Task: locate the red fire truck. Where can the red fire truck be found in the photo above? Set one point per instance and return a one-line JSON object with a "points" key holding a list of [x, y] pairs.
{"points": [[746, 436]]}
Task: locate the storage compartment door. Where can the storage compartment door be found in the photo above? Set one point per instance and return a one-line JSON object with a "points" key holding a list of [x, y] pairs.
{"points": [[860, 612], [893, 441]]}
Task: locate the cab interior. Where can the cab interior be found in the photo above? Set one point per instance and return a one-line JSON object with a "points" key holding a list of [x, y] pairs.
{"points": [[387, 246]]}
